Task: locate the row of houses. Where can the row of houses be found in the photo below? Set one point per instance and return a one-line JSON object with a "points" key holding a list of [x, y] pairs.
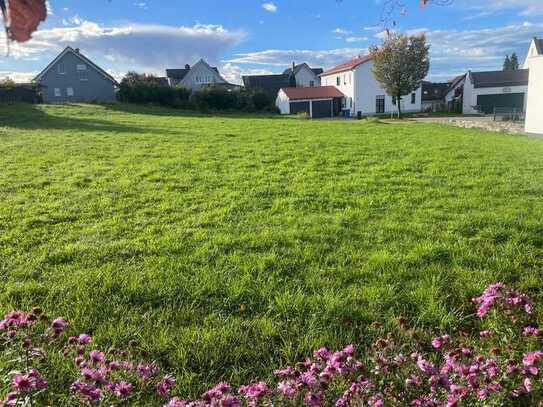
{"points": [[348, 89]]}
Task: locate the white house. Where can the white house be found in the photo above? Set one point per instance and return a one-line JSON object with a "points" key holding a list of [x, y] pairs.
{"points": [[485, 91], [316, 102], [363, 94], [305, 75], [195, 77], [534, 111]]}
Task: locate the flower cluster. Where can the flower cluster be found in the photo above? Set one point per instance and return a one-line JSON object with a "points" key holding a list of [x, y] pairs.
{"points": [[469, 367]]}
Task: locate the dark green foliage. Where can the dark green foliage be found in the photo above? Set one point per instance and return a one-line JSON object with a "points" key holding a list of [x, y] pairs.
{"points": [[400, 64], [262, 100], [507, 63], [138, 88], [511, 64]]}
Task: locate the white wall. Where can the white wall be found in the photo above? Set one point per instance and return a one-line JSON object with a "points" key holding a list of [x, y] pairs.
{"points": [[361, 90], [282, 102], [534, 112], [305, 76], [450, 95], [200, 75], [471, 93]]}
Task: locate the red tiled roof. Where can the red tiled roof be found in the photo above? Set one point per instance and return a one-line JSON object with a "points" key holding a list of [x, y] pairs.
{"points": [[319, 92], [349, 65]]}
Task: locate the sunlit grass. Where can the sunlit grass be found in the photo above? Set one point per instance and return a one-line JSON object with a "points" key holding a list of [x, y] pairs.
{"points": [[228, 245]]}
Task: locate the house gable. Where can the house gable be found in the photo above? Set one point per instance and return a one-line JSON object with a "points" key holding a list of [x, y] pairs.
{"points": [[201, 74], [82, 58]]}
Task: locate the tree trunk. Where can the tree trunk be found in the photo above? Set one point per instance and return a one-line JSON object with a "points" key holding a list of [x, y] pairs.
{"points": [[399, 101]]}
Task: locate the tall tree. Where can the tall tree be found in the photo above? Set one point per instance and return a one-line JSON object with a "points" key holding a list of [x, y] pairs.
{"points": [[400, 64], [514, 62], [507, 63]]}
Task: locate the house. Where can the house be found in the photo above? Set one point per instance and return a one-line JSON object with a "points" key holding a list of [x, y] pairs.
{"points": [[364, 95], [454, 97], [304, 75], [534, 110], [433, 96], [72, 77], [483, 92], [197, 76], [317, 102]]}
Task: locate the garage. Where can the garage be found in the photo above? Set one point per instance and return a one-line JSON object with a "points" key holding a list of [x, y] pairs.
{"points": [[487, 103], [318, 103], [299, 107], [322, 108]]}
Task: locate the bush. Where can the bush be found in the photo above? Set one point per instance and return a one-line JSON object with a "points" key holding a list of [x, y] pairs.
{"points": [[496, 362], [137, 88]]}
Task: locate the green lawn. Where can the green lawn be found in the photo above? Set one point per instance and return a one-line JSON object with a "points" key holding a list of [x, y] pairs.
{"points": [[230, 245]]}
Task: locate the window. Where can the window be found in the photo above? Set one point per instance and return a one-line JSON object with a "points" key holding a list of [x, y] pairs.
{"points": [[57, 92], [69, 91], [61, 69], [81, 67], [413, 98], [338, 81], [394, 100], [83, 75], [311, 84], [380, 104], [345, 79]]}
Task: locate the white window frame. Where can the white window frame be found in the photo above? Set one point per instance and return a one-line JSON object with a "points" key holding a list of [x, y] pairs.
{"points": [[57, 92], [61, 69], [70, 92]]}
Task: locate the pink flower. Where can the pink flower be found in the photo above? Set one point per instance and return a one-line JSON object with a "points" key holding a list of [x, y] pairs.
{"points": [[530, 331], [165, 387], [528, 386], [485, 334], [122, 389], [313, 399], [84, 339], [58, 326], [287, 388], [254, 391], [97, 356]]}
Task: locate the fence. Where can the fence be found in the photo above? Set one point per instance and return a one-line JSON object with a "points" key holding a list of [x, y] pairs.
{"points": [[509, 114]]}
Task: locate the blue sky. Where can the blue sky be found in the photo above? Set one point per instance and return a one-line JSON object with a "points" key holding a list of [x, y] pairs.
{"points": [[251, 36]]}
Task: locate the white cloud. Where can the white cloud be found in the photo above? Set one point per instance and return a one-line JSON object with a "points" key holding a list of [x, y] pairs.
{"points": [[130, 46], [522, 7], [341, 31], [356, 39], [141, 5], [233, 73], [283, 58], [18, 77], [270, 7]]}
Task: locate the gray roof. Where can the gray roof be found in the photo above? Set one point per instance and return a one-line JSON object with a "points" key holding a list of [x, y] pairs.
{"points": [[539, 46], [267, 83], [434, 91], [316, 71], [179, 74], [498, 79]]}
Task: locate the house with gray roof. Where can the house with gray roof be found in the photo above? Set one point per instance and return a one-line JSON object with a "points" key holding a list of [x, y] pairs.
{"points": [[197, 76], [72, 77], [304, 75], [486, 91]]}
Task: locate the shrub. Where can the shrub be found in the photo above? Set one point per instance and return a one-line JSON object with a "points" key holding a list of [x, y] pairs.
{"points": [[138, 88], [496, 364]]}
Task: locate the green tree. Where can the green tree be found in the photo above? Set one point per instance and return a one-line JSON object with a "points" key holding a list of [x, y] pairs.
{"points": [[507, 63], [400, 64], [514, 62]]}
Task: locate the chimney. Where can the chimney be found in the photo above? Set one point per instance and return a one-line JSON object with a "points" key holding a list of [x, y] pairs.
{"points": [[77, 50], [293, 65], [187, 67]]}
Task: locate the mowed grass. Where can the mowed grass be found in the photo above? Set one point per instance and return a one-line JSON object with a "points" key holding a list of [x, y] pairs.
{"points": [[230, 245]]}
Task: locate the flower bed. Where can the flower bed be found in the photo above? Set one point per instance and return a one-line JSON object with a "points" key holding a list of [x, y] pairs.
{"points": [[497, 364]]}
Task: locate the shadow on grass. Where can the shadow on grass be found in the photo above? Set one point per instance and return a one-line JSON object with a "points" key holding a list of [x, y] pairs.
{"points": [[168, 111]]}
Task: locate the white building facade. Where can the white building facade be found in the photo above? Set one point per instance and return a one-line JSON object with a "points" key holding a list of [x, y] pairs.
{"points": [[534, 110], [199, 75], [363, 93], [486, 91]]}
